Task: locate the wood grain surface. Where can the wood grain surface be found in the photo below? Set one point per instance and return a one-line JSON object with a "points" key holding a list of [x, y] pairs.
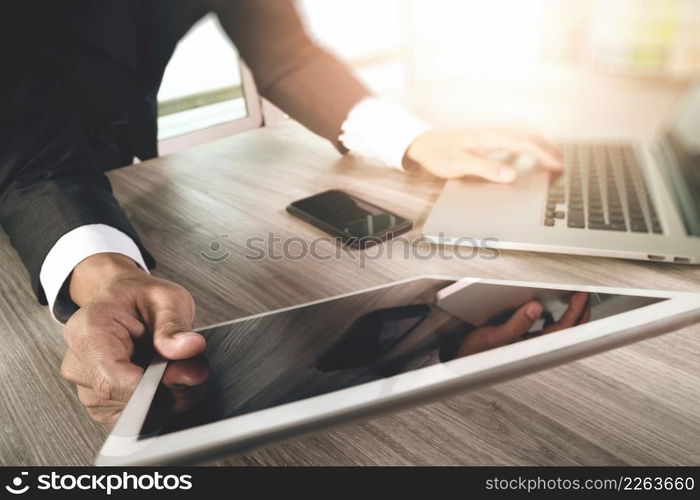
{"points": [[635, 405]]}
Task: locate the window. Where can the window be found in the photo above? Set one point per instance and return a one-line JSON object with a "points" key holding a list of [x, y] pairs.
{"points": [[206, 92], [367, 34]]}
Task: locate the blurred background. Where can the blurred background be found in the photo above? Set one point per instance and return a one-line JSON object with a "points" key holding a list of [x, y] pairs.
{"points": [[453, 59]]}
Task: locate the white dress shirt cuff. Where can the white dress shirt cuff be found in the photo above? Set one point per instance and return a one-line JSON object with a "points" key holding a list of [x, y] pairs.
{"points": [[74, 247], [381, 130]]}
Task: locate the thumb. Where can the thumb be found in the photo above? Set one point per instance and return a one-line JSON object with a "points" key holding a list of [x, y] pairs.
{"points": [[487, 168], [518, 324], [171, 324]]}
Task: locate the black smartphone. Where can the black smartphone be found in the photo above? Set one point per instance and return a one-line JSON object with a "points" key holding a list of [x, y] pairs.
{"points": [[356, 222]]}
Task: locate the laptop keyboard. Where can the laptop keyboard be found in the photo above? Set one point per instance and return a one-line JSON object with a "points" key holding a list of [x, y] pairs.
{"points": [[603, 187]]}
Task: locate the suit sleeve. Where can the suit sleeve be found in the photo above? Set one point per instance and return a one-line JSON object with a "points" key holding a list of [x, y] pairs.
{"points": [[49, 183], [290, 70]]}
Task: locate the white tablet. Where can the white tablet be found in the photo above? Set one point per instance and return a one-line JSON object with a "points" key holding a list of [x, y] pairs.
{"points": [[276, 375]]}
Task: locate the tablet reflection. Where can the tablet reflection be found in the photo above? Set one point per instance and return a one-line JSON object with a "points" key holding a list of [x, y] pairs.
{"points": [[180, 394], [283, 357], [372, 337]]}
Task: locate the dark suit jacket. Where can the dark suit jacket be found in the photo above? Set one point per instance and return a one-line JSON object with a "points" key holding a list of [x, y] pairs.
{"points": [[78, 97]]}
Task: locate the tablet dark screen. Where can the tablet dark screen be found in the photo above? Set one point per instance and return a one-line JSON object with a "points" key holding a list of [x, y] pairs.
{"points": [[273, 359]]}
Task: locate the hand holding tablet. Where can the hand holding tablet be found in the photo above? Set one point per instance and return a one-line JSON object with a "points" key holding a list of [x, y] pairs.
{"points": [[265, 380]]}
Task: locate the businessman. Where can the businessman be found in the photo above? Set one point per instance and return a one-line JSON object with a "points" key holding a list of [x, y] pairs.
{"points": [[78, 97]]}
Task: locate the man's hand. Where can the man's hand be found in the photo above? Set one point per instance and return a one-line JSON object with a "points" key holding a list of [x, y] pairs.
{"points": [[121, 307], [458, 153]]}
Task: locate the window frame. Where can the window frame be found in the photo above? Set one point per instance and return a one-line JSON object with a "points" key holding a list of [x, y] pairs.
{"points": [[252, 120]]}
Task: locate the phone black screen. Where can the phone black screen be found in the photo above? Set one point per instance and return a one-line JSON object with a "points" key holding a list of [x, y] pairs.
{"points": [[349, 217]]}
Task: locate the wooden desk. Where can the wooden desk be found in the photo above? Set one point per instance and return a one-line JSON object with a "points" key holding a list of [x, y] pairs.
{"points": [[636, 405]]}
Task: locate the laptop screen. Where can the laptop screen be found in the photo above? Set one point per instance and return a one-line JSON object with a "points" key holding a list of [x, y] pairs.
{"points": [[298, 353], [682, 137]]}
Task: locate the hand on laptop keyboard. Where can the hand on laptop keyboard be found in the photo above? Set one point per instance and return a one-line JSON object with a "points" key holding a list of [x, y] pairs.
{"points": [[457, 153]]}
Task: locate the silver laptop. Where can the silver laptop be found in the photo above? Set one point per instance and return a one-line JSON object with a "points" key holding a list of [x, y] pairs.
{"points": [[614, 199]]}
